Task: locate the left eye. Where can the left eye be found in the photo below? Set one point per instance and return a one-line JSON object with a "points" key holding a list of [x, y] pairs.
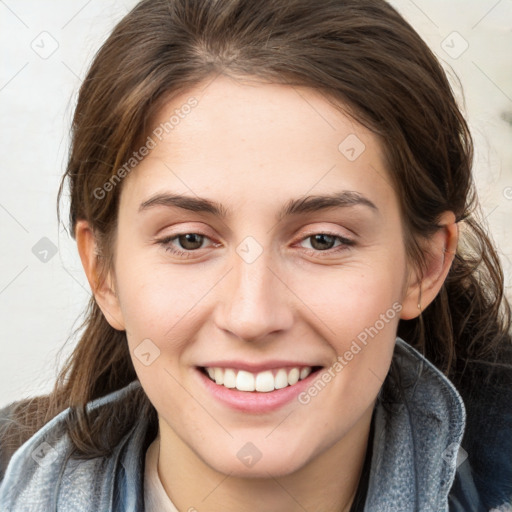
{"points": [[320, 240]]}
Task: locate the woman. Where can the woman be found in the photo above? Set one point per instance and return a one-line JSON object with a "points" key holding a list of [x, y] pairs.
{"points": [[295, 306]]}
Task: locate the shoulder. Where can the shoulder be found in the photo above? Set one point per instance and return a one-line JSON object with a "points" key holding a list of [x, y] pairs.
{"points": [[28, 462], [18, 421], [6, 426], [487, 393], [477, 411], [46, 473]]}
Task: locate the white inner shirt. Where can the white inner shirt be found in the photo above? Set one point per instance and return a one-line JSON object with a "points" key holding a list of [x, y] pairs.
{"points": [[155, 497]]}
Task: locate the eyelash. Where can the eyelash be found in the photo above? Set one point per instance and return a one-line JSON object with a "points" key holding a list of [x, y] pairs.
{"points": [[346, 243]]}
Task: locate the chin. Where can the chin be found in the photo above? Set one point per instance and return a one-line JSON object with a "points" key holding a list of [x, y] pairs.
{"points": [[249, 462]]}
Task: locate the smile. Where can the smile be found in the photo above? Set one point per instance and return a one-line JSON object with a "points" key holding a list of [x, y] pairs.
{"points": [[262, 382]]}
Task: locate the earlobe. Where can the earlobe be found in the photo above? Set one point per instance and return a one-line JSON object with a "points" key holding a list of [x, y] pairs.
{"points": [[103, 289], [440, 251]]}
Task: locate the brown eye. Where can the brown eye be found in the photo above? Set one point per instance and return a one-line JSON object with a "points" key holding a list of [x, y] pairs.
{"points": [[184, 244], [190, 241], [322, 241]]}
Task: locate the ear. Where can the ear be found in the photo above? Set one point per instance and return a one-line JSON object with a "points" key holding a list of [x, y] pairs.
{"points": [[103, 290], [440, 251]]}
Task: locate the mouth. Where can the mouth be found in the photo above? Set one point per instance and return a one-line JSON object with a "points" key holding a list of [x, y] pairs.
{"points": [[266, 381]]}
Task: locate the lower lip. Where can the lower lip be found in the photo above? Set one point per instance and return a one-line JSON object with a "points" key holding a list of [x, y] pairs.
{"points": [[253, 401]]}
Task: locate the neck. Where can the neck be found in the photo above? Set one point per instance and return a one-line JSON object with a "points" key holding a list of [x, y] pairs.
{"points": [[328, 482]]}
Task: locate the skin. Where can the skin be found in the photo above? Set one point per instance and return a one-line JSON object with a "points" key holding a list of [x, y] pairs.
{"points": [[252, 147]]}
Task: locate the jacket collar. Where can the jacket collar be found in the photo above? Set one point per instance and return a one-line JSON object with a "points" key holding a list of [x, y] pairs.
{"points": [[419, 423]]}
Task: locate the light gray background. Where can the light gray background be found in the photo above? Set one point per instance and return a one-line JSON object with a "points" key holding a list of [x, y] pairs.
{"points": [[41, 302]]}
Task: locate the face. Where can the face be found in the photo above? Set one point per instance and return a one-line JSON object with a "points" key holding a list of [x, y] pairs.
{"points": [[243, 270]]}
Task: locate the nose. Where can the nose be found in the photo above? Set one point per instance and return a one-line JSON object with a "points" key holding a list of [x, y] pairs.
{"points": [[255, 300]]}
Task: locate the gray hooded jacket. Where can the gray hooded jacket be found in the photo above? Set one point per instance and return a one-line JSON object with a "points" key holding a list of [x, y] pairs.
{"points": [[416, 463]]}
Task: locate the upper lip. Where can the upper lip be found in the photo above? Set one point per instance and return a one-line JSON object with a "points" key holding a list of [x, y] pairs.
{"points": [[257, 367]]}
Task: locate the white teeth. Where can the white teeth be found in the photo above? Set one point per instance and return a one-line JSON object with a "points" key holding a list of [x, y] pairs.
{"points": [[305, 372], [281, 379], [293, 376], [219, 376], [262, 382], [229, 378], [245, 381], [265, 382]]}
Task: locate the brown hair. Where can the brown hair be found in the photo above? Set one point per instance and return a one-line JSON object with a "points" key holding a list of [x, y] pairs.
{"points": [[360, 52]]}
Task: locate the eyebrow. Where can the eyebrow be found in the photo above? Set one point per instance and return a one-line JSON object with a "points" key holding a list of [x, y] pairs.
{"points": [[307, 204]]}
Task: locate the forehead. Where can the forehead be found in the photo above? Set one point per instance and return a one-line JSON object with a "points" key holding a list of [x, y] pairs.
{"points": [[250, 141]]}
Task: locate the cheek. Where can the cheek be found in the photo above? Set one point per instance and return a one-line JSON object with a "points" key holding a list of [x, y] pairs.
{"points": [[155, 298], [357, 311], [158, 308], [349, 299]]}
